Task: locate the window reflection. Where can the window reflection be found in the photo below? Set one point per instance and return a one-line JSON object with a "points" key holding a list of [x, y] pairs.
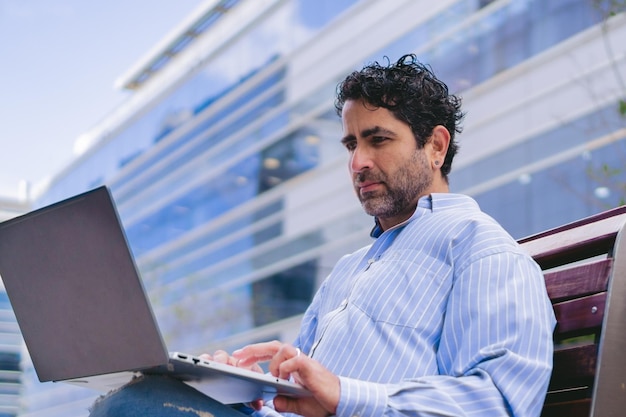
{"points": [[284, 294], [588, 185]]}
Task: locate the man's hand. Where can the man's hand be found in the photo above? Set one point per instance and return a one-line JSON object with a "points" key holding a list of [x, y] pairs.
{"points": [[221, 356], [286, 361]]}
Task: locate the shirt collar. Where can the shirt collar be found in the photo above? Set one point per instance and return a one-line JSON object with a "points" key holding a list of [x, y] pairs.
{"points": [[424, 202], [376, 230], [430, 203]]}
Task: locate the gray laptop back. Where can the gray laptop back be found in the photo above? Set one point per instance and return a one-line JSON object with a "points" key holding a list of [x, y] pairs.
{"points": [[74, 288]]}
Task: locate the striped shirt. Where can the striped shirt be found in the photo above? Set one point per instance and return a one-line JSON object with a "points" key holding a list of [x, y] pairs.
{"points": [[442, 315]]}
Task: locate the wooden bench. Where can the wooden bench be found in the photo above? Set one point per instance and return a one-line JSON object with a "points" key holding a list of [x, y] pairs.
{"points": [[584, 266]]}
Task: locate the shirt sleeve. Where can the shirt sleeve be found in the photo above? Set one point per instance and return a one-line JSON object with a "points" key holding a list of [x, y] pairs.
{"points": [[494, 355]]}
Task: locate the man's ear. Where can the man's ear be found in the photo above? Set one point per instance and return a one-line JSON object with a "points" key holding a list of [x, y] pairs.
{"points": [[439, 142]]}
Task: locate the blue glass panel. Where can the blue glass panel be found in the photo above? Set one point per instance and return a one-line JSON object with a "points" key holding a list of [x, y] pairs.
{"points": [[208, 141], [316, 14], [284, 294], [499, 41], [566, 136], [196, 207], [579, 187]]}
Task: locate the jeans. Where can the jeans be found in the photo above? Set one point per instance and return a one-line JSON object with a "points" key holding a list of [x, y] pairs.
{"points": [[159, 396]]}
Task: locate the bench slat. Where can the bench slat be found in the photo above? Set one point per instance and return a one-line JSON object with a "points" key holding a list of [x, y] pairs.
{"points": [[607, 222], [577, 408], [582, 239], [580, 314], [579, 280], [573, 367]]}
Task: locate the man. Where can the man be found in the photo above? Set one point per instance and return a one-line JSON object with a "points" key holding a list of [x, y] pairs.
{"points": [[443, 314]]}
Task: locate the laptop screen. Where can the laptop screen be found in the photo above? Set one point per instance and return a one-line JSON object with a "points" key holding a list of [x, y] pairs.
{"points": [[73, 285]]}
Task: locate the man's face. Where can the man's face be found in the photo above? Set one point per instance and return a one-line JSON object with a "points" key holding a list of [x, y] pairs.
{"points": [[389, 172]]}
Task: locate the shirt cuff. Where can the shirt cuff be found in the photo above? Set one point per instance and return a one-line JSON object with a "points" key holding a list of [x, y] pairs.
{"points": [[361, 398]]}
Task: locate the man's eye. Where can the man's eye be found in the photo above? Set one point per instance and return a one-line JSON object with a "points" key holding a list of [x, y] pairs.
{"points": [[350, 145], [378, 139]]}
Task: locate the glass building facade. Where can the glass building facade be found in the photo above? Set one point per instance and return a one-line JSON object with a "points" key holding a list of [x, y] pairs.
{"points": [[11, 343], [230, 179], [10, 359]]}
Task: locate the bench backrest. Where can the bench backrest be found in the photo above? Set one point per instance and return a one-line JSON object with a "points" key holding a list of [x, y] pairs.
{"points": [[584, 266]]}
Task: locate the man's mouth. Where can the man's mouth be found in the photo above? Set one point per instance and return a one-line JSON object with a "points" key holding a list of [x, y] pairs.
{"points": [[367, 186]]}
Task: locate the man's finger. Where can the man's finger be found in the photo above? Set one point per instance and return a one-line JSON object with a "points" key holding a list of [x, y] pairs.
{"points": [[259, 352], [302, 406], [277, 365], [223, 357], [286, 405]]}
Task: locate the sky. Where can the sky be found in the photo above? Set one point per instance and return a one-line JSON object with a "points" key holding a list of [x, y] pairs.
{"points": [[59, 60]]}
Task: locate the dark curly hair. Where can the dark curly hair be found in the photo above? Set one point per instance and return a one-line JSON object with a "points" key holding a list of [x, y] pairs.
{"points": [[412, 93]]}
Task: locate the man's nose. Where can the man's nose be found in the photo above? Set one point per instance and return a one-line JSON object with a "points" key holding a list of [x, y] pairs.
{"points": [[360, 160]]}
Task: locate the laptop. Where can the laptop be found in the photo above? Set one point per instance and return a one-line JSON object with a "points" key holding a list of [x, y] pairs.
{"points": [[83, 311]]}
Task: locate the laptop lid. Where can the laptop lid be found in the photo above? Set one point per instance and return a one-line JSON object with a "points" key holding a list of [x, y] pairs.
{"points": [[82, 309], [75, 290]]}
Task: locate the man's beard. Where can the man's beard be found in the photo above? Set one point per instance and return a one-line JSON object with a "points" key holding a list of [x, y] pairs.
{"points": [[408, 181]]}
